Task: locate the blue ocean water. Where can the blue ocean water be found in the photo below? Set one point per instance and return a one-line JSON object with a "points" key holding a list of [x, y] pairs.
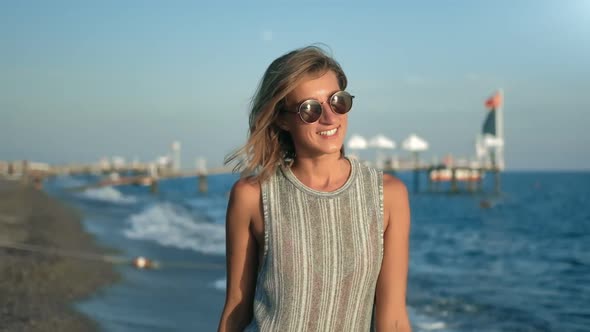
{"points": [[514, 261]]}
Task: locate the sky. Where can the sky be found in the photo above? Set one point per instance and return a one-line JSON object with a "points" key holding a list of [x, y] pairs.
{"points": [[84, 80]]}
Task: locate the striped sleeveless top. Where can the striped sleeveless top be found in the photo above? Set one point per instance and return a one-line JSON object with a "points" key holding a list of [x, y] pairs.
{"points": [[322, 254]]}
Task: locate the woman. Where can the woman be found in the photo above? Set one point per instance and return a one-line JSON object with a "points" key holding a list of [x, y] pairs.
{"points": [[315, 241]]}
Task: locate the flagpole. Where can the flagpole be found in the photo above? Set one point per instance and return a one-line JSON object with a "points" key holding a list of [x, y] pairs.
{"points": [[500, 130]]}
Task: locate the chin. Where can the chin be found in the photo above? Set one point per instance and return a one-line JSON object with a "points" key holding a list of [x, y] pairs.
{"points": [[332, 149], [319, 148]]}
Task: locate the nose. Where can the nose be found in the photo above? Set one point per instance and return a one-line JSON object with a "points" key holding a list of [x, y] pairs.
{"points": [[328, 115]]}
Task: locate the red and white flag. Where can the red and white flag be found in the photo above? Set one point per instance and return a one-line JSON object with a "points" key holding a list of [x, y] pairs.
{"points": [[494, 101]]}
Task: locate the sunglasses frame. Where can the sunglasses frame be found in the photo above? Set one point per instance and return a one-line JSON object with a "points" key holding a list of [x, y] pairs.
{"points": [[298, 111]]}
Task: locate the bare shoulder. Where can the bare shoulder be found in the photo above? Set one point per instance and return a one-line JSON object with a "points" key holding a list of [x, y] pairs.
{"points": [[393, 187], [246, 187], [396, 201], [245, 196]]}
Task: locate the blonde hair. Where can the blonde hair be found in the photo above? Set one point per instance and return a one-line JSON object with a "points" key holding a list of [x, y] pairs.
{"points": [[268, 145]]}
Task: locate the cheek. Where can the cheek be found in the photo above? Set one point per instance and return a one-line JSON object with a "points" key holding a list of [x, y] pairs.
{"points": [[304, 135], [344, 123], [293, 130], [304, 132], [297, 127]]}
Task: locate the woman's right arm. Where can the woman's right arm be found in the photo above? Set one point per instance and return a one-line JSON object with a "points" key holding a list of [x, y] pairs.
{"points": [[241, 256]]}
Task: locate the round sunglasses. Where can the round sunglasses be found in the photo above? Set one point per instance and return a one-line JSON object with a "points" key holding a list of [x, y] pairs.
{"points": [[311, 110]]}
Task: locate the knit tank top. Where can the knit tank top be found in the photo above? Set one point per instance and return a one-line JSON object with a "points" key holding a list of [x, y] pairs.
{"points": [[322, 253]]}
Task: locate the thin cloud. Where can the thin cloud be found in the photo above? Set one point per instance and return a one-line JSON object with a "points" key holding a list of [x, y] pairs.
{"points": [[415, 80], [472, 77], [267, 35]]}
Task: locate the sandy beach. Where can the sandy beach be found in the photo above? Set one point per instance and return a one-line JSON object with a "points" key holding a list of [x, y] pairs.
{"points": [[37, 290]]}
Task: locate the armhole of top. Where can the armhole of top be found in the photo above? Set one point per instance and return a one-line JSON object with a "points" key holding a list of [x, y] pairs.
{"points": [[381, 211], [264, 188]]}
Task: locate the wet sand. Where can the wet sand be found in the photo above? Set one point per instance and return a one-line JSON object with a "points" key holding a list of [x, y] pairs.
{"points": [[37, 290]]}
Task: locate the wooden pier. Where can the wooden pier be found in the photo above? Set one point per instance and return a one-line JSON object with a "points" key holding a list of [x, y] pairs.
{"points": [[135, 174], [460, 178]]}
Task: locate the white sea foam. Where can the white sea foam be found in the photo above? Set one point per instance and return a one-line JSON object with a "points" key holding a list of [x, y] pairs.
{"points": [[108, 194], [169, 226], [220, 284], [432, 326], [212, 207], [424, 322]]}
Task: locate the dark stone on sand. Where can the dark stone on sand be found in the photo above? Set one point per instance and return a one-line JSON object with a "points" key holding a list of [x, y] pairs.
{"points": [[37, 290]]}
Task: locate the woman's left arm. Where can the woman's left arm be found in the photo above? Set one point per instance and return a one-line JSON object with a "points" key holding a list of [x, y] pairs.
{"points": [[390, 295]]}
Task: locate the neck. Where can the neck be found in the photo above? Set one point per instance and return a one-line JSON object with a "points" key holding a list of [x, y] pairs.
{"points": [[325, 173]]}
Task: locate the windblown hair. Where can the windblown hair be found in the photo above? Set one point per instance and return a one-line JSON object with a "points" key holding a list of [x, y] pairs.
{"points": [[268, 146]]}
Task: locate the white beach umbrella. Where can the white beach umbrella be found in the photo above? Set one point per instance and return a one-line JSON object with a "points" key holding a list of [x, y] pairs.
{"points": [[381, 142], [357, 142], [414, 143]]}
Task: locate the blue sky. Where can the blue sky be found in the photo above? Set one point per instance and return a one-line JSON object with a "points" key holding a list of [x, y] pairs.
{"points": [[83, 80]]}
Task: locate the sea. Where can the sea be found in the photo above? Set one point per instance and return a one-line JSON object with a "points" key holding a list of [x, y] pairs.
{"points": [[513, 260]]}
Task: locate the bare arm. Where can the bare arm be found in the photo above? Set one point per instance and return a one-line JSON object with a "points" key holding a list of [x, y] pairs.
{"points": [[391, 313], [241, 256]]}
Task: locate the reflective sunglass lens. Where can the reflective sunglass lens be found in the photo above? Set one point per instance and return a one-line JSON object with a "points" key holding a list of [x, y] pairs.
{"points": [[341, 102], [310, 111]]}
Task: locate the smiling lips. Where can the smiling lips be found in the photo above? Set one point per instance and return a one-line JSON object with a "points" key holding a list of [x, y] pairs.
{"points": [[328, 133]]}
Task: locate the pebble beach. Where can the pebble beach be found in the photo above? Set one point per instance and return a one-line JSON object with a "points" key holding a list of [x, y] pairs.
{"points": [[37, 288]]}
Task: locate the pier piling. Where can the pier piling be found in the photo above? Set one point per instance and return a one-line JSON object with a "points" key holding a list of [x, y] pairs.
{"points": [[154, 186], [203, 186], [497, 180]]}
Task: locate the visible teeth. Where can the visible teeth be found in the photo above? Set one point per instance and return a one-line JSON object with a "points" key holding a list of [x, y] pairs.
{"points": [[329, 132]]}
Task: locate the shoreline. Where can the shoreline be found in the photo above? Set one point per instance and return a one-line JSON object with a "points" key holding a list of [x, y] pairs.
{"points": [[39, 291]]}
